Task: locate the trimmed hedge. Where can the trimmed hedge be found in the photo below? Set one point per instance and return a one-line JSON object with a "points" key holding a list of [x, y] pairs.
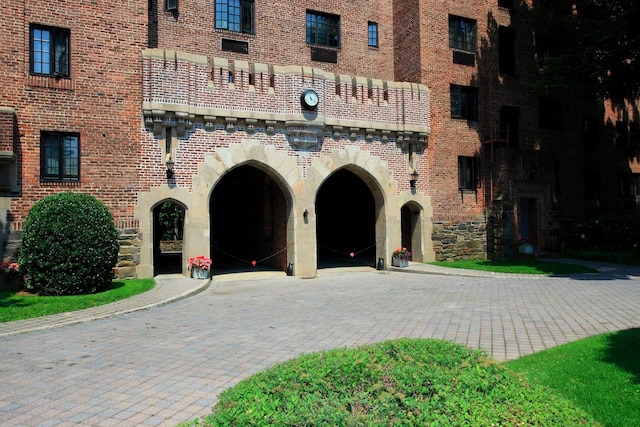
{"points": [[69, 245], [404, 382]]}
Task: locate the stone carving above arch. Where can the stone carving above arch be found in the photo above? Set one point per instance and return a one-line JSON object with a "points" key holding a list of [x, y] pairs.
{"points": [[377, 174], [281, 167]]}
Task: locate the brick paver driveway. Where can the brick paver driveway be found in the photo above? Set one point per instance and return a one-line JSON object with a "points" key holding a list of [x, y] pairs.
{"points": [[167, 365]]}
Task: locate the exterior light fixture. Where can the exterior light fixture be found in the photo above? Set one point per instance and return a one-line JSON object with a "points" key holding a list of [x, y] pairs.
{"points": [[169, 163], [305, 214], [413, 179]]}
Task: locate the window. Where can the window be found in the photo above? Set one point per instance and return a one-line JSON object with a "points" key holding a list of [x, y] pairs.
{"points": [[635, 184], [49, 48], [509, 125], [323, 29], [171, 5], [235, 15], [624, 184], [591, 134], [462, 33], [507, 50], [467, 173], [546, 47], [622, 134], [464, 102], [59, 156], [550, 113], [373, 34]]}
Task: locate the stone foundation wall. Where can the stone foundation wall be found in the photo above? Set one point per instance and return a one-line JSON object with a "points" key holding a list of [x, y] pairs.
{"points": [[455, 241], [130, 241]]}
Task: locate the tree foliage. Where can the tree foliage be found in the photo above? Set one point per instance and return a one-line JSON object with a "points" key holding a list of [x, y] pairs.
{"points": [[171, 220], [600, 47], [69, 245]]}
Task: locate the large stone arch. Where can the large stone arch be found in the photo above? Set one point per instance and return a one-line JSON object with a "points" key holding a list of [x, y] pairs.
{"points": [[300, 187], [374, 173], [282, 168]]}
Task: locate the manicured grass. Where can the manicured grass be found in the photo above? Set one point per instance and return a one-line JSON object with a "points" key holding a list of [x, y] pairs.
{"points": [[519, 266], [16, 307], [601, 375], [403, 382]]}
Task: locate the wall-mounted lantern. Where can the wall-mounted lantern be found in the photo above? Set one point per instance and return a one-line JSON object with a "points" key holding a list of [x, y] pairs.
{"points": [[169, 164], [413, 179]]}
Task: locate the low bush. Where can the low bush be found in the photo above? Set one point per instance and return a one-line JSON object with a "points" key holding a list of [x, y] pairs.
{"points": [[403, 382], [69, 245]]}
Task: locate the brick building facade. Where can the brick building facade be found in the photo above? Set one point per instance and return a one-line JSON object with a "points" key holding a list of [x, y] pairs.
{"points": [[426, 133]]}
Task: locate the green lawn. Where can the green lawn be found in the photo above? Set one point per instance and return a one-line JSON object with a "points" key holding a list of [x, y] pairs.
{"points": [[600, 375], [17, 307], [519, 266]]}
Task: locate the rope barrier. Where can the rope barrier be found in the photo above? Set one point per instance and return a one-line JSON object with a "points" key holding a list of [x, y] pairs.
{"points": [[252, 262], [350, 254]]}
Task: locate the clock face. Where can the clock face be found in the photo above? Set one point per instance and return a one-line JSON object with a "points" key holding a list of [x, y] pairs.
{"points": [[310, 98]]}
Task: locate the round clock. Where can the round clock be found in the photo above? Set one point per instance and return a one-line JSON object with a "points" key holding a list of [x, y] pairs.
{"points": [[309, 98]]}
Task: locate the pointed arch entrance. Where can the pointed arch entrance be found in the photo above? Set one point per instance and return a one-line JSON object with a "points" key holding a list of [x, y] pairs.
{"points": [[346, 221], [168, 230], [248, 216], [411, 230]]}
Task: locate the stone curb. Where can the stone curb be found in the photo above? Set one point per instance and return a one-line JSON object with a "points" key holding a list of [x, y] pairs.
{"points": [[94, 313]]}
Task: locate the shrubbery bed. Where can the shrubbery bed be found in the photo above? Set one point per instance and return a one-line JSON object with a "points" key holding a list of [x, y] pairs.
{"points": [[401, 382]]}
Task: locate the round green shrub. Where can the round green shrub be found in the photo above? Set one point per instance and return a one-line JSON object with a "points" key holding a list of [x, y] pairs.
{"points": [[395, 383], [69, 245]]}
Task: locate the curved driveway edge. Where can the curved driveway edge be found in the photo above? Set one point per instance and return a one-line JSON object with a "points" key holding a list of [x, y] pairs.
{"points": [[168, 364], [169, 288]]}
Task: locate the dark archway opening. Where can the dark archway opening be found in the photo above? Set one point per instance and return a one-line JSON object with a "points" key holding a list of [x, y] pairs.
{"points": [[248, 223], [345, 215], [411, 232], [168, 228]]}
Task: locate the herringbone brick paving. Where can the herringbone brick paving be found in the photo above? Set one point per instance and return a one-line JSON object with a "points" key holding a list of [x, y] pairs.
{"points": [[166, 364]]}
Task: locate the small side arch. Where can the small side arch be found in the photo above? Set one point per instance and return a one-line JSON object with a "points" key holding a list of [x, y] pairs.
{"points": [[168, 233]]}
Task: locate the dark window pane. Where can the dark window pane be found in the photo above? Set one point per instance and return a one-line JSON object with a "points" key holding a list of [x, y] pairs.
{"points": [[60, 156], [323, 29], [462, 33]]}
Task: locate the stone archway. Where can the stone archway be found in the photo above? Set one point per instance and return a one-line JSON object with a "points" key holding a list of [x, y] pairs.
{"points": [[249, 215], [411, 230], [168, 229], [345, 221]]}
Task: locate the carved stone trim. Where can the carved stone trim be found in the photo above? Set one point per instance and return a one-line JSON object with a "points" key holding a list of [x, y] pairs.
{"points": [[304, 135]]}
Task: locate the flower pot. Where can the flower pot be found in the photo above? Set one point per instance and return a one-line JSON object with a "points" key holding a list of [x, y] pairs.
{"points": [[199, 273], [399, 262]]}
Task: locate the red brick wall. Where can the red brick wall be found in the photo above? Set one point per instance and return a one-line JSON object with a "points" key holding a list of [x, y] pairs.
{"points": [[101, 100], [280, 34], [184, 83]]}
